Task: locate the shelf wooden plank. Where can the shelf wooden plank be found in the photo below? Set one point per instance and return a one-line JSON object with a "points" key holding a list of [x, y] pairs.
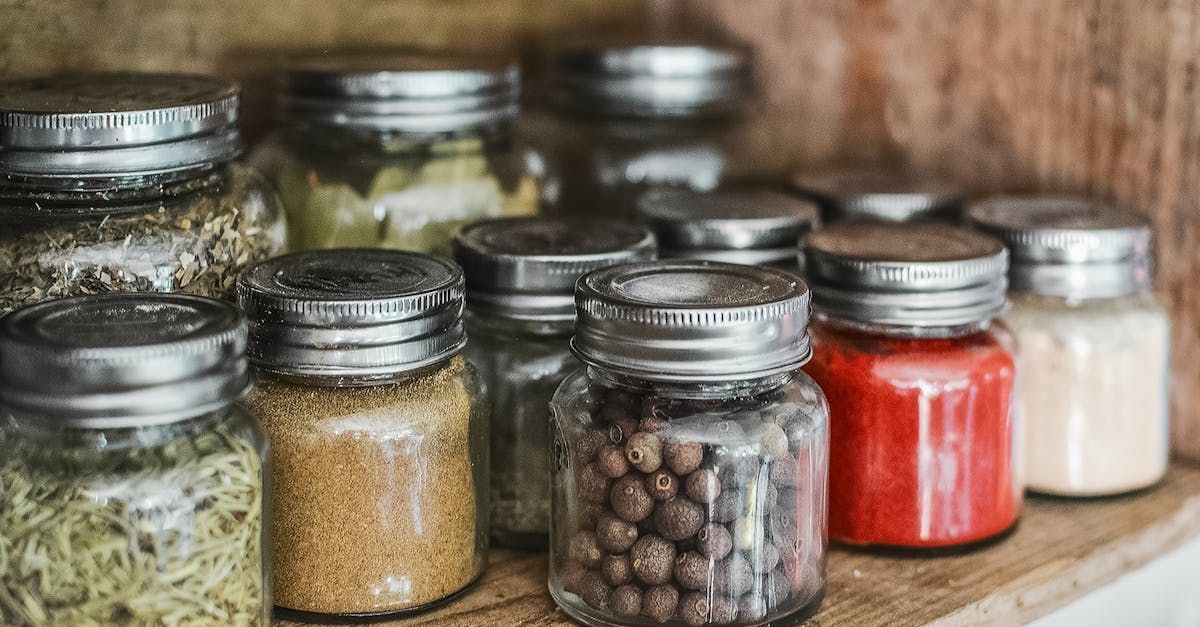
{"points": [[1061, 550]]}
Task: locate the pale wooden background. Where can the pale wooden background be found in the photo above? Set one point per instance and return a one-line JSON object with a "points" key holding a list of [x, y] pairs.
{"points": [[1092, 96]]}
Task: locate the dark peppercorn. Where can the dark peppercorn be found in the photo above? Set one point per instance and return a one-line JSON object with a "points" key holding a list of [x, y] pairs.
{"points": [[572, 577], [652, 424], [595, 591], [663, 485], [727, 507], [724, 430], [629, 498], [616, 569], [626, 601], [779, 587], [783, 530], [653, 559], [694, 608], [733, 575], [751, 608], [611, 462], [683, 457], [787, 499], [693, 571], [703, 486], [589, 444], [799, 433], [589, 513], [765, 559], [644, 451], [795, 576], [771, 497], [714, 541], [659, 603], [772, 439], [593, 485], [583, 549], [615, 535], [724, 610], [621, 427], [784, 472], [678, 518], [655, 408]]}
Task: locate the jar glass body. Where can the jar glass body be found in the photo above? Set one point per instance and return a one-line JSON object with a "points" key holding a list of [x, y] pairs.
{"points": [[923, 431], [1094, 392], [379, 488], [344, 187], [134, 526], [717, 513], [191, 233], [522, 364]]}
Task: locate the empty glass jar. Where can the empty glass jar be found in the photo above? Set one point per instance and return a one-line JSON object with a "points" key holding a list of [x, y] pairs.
{"points": [[690, 456], [886, 193], [131, 484]]}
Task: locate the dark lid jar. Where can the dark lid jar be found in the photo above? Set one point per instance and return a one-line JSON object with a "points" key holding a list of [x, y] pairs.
{"points": [[126, 183], [379, 441], [129, 474], [906, 347], [396, 150], [521, 275], [880, 193], [1094, 343], [690, 456]]}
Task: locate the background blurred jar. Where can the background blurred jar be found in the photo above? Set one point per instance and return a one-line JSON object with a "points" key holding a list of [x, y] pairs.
{"points": [[126, 182], [620, 119], [1093, 342], [887, 193], [396, 150]]}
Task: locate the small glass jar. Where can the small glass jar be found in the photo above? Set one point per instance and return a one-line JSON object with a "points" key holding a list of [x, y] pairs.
{"points": [[1094, 344], [131, 484], [521, 275], [690, 456], [379, 441], [754, 227], [396, 151], [884, 193], [920, 379], [126, 183], [622, 119]]}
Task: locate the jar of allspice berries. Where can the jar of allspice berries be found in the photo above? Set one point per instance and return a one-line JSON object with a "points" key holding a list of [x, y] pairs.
{"points": [[690, 455], [379, 447]]}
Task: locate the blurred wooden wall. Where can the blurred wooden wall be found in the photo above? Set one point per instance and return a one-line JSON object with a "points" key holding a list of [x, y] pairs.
{"points": [[1092, 96]]}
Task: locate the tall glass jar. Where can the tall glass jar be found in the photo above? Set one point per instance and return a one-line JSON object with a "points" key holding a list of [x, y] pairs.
{"points": [[377, 427], [396, 151], [888, 193], [690, 456], [521, 275], [126, 183], [920, 380], [748, 226], [131, 484], [624, 118], [1094, 344]]}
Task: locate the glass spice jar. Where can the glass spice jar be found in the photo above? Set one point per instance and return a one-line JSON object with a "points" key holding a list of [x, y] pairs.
{"points": [[880, 193], [754, 227], [126, 183], [690, 456], [521, 275], [396, 151], [920, 382], [131, 484], [378, 434], [1093, 343], [624, 118]]}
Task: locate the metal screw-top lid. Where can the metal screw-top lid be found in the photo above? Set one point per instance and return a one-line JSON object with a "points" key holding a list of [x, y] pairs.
{"points": [[736, 226], [418, 93], [352, 312], [692, 321], [894, 195], [642, 80], [1070, 247], [526, 268], [116, 124], [122, 360], [913, 275]]}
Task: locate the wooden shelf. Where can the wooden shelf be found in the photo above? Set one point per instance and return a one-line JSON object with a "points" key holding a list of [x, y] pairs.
{"points": [[1061, 551]]}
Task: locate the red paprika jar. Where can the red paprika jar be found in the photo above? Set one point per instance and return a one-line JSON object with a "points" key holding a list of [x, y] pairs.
{"points": [[920, 384]]}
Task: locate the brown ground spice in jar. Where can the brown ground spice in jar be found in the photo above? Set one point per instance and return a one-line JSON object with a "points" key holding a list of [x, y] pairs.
{"points": [[373, 487]]}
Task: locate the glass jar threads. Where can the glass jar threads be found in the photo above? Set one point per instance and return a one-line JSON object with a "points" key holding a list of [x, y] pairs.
{"points": [[396, 151], [746, 226], [131, 484], [624, 118], [690, 456], [124, 183], [521, 275], [379, 444], [1094, 343], [880, 193], [920, 383]]}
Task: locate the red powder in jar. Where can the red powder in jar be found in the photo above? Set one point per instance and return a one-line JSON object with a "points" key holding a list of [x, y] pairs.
{"points": [[922, 447]]}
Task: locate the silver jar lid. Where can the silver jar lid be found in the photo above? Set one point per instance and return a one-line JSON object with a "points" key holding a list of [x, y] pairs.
{"points": [[692, 321], [645, 80], [353, 312], [122, 360], [735, 226], [915, 275], [894, 195], [406, 92], [116, 124], [526, 268], [1069, 247]]}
